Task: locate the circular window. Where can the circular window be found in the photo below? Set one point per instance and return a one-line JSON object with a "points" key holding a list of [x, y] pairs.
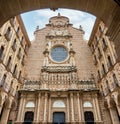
{"points": [[59, 54]]}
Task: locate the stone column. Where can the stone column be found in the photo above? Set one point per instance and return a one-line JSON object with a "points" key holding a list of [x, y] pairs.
{"points": [[72, 109], [49, 118], [114, 115], [5, 114], [38, 107], [79, 108], [97, 108], [118, 109], [107, 116], [20, 115], [1, 106], [68, 113], [45, 108]]}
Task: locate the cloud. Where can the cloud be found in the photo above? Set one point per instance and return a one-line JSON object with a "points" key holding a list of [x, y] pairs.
{"points": [[77, 18]]}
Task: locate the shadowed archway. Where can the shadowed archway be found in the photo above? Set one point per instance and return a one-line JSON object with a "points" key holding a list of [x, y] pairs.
{"points": [[106, 10]]}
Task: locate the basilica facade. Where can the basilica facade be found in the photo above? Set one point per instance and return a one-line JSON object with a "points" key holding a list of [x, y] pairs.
{"points": [[59, 83], [59, 78]]}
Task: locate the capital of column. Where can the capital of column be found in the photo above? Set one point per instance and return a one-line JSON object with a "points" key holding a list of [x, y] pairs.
{"points": [[46, 95], [71, 94], [78, 95], [23, 95]]}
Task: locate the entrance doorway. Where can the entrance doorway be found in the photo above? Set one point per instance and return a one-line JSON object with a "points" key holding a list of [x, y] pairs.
{"points": [[29, 116], [58, 118], [89, 118]]}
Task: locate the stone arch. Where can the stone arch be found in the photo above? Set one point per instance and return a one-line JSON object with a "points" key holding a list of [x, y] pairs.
{"points": [[87, 104], [59, 104], [8, 8], [30, 104], [12, 8]]}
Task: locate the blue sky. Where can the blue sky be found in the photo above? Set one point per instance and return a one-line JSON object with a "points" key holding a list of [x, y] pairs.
{"points": [[41, 18]]}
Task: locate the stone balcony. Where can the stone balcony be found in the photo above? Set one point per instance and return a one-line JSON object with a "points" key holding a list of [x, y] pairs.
{"points": [[59, 86]]}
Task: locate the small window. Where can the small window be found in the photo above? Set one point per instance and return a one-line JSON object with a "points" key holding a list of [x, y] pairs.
{"points": [[107, 84], [87, 104], [100, 30], [99, 75], [15, 70], [115, 80], [103, 69], [3, 80], [59, 104], [19, 75], [9, 62], [109, 61], [30, 104], [1, 51], [8, 31], [14, 45]]}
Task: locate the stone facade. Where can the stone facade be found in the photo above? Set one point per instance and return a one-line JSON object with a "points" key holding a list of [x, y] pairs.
{"points": [[108, 74], [64, 80], [56, 85], [13, 45]]}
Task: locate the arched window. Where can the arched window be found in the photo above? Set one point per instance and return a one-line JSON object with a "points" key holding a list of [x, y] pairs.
{"points": [[103, 69], [59, 103], [19, 53], [19, 75], [7, 34], [18, 30], [109, 62], [102, 91], [15, 70], [3, 80], [87, 104], [9, 63], [99, 75], [10, 89], [21, 39], [30, 104], [99, 53], [14, 45], [104, 44], [8, 31], [12, 20], [95, 60], [96, 40], [107, 85], [1, 52], [22, 62], [100, 30], [115, 80]]}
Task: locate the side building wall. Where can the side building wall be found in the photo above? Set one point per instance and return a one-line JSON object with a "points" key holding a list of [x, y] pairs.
{"points": [[108, 72], [13, 51]]}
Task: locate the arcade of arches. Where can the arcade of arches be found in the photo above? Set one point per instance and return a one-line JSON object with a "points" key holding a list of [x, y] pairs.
{"points": [[59, 78]]}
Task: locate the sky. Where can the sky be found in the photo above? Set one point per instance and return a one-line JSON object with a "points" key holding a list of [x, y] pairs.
{"points": [[41, 18]]}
